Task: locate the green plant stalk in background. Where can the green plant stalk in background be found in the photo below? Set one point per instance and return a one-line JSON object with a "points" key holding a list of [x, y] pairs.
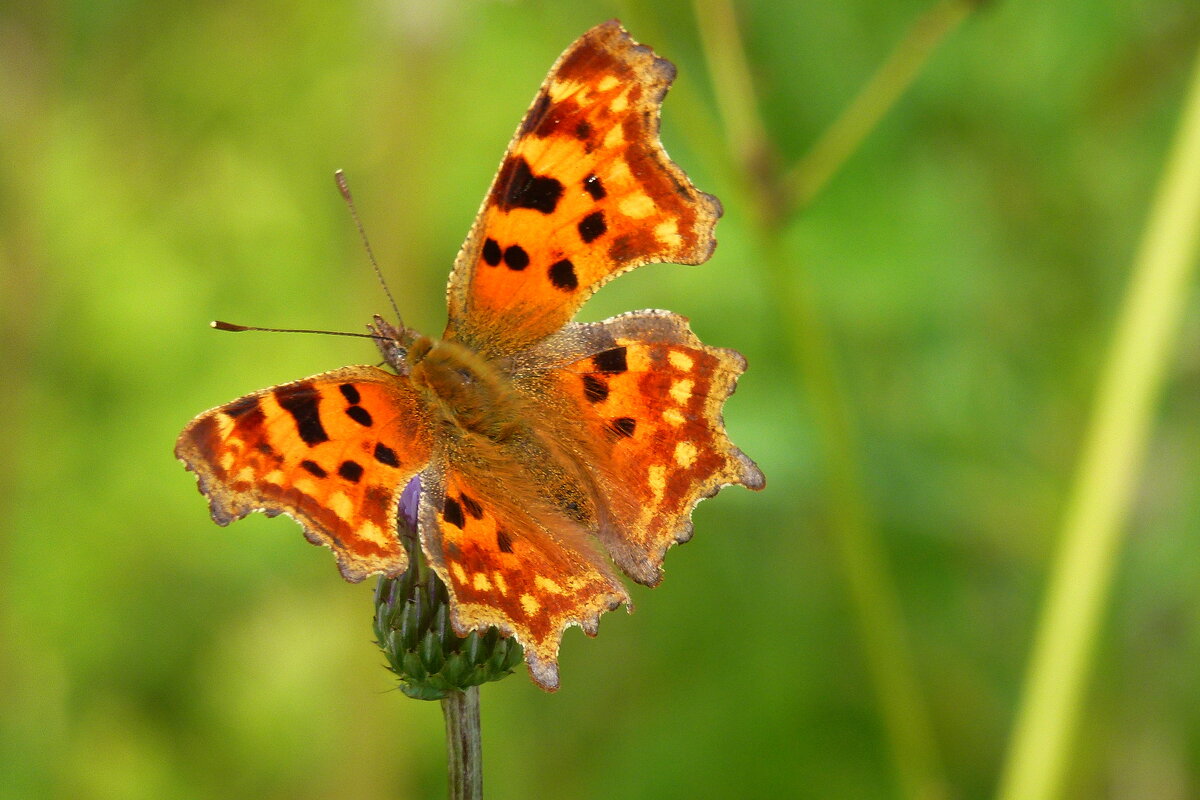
{"points": [[1115, 443], [876, 98], [778, 196]]}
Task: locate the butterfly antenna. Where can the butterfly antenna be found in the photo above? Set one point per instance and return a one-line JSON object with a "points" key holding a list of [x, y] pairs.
{"points": [[344, 188], [229, 326]]}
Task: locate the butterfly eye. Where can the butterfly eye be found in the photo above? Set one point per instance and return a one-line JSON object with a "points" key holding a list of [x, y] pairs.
{"points": [[420, 349]]}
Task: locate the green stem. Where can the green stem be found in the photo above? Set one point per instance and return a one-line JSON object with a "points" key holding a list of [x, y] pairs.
{"points": [[875, 99], [733, 85], [861, 556], [1111, 457], [464, 756], [906, 718]]}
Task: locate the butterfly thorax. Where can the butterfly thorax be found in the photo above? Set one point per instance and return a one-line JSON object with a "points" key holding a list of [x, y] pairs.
{"points": [[493, 437], [468, 391]]}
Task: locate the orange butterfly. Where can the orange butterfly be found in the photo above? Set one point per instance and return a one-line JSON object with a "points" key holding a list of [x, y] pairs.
{"points": [[532, 436]]}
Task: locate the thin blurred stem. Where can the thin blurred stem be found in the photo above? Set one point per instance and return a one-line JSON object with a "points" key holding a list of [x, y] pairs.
{"points": [[875, 99], [734, 87], [464, 756], [906, 718], [1111, 457]]}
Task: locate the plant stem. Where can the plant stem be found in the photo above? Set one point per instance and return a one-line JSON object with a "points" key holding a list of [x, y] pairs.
{"points": [[464, 756], [1111, 456], [904, 714], [876, 98], [776, 199]]}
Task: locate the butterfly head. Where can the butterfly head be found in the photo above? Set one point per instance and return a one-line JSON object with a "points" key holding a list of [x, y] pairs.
{"points": [[394, 343]]}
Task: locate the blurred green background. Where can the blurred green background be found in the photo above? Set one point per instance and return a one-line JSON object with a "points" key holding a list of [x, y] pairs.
{"points": [[164, 164]]}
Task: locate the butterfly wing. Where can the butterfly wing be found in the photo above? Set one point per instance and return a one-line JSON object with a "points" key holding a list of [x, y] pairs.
{"points": [[650, 395], [585, 193], [507, 562], [333, 451]]}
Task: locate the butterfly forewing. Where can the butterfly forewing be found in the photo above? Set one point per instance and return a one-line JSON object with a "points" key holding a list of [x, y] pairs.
{"points": [[585, 193], [334, 451]]}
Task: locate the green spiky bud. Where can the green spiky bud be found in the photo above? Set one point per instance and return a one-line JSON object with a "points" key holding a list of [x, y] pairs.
{"points": [[412, 628]]}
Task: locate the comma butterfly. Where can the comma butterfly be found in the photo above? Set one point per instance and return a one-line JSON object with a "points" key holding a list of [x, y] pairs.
{"points": [[533, 437]]}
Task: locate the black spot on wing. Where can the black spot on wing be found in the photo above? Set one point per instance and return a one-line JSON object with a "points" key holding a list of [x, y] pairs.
{"points": [[452, 512], [386, 455], [623, 426], [350, 392], [592, 227], [492, 253], [302, 401], [611, 360], [504, 541], [594, 389], [520, 188], [593, 186], [515, 258], [313, 468], [351, 471], [562, 275], [583, 131], [473, 508], [359, 415]]}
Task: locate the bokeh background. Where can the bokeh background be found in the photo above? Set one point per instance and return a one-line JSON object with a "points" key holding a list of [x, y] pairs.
{"points": [[164, 164]]}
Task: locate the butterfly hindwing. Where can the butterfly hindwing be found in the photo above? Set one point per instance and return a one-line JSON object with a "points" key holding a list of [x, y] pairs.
{"points": [[530, 573], [650, 395]]}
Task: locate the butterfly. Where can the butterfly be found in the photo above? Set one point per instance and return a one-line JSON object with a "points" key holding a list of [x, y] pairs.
{"points": [[540, 443]]}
